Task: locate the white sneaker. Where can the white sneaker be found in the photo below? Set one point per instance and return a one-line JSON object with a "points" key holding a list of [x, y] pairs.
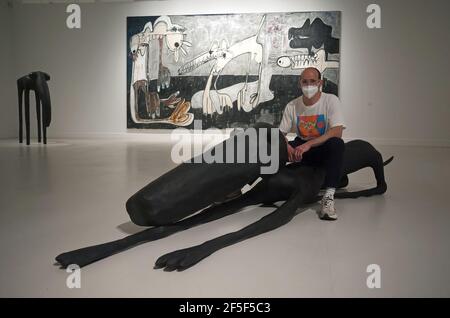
{"points": [[328, 212]]}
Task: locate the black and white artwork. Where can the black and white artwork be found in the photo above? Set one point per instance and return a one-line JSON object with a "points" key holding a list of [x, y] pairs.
{"points": [[227, 70]]}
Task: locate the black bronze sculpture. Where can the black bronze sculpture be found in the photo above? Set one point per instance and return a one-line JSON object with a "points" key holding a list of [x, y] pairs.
{"points": [[167, 203], [37, 82]]}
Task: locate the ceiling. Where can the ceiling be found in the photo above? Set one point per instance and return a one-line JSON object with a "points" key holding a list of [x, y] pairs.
{"points": [[77, 1]]}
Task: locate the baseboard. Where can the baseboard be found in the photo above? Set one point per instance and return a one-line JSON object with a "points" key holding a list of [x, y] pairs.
{"points": [[405, 142], [164, 136]]}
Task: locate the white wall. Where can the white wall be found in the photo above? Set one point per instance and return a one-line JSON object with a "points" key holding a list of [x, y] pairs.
{"points": [[8, 99], [394, 84]]}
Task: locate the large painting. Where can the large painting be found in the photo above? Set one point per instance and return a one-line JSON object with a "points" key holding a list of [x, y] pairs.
{"points": [[227, 70]]}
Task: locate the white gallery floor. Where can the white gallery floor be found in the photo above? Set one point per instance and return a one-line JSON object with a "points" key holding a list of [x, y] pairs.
{"points": [[72, 193]]}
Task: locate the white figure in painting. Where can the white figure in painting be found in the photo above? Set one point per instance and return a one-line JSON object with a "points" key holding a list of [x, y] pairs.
{"points": [[174, 38], [246, 94]]}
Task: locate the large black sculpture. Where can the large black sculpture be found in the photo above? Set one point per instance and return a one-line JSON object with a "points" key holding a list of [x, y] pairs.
{"points": [[167, 202], [37, 82]]}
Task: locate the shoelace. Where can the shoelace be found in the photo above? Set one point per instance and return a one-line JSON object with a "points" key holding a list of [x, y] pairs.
{"points": [[328, 202]]}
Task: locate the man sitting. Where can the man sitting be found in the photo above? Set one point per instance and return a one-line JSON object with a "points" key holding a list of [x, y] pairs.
{"points": [[317, 119]]}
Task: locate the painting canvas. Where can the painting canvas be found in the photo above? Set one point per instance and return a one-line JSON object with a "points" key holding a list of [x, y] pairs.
{"points": [[226, 70]]}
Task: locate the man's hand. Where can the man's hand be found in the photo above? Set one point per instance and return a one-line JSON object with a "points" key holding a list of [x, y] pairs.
{"points": [[291, 152], [300, 150], [295, 154]]}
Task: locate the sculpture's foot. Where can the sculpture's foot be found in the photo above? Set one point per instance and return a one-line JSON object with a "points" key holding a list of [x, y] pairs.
{"points": [[182, 259], [380, 189]]}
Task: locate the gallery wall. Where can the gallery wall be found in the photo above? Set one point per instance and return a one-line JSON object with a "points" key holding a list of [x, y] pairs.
{"points": [[8, 108], [393, 83]]}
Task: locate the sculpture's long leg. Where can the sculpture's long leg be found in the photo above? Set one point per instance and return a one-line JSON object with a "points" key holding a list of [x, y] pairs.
{"points": [[44, 133], [360, 154], [88, 255], [20, 95], [300, 191], [27, 115], [43, 102], [38, 114], [156, 204], [185, 258], [377, 166]]}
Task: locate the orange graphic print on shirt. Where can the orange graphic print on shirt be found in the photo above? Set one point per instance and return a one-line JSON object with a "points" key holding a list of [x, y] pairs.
{"points": [[311, 126]]}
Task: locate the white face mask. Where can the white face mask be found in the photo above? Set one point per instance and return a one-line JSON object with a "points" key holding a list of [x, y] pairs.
{"points": [[310, 90]]}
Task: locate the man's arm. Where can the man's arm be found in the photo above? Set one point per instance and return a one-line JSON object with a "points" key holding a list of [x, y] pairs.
{"points": [[332, 132], [290, 149], [286, 126]]}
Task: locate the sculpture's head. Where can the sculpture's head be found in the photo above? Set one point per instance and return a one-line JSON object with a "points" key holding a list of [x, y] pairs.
{"points": [[24, 82], [38, 74]]}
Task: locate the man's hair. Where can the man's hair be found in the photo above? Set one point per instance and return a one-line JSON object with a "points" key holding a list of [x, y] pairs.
{"points": [[317, 70]]}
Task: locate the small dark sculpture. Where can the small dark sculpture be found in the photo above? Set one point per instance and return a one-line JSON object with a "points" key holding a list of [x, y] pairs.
{"points": [[36, 81], [167, 201]]}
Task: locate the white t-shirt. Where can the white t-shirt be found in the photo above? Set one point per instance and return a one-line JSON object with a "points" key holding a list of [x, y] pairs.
{"points": [[313, 121]]}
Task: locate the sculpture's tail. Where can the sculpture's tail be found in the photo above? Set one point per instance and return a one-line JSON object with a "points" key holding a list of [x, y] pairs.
{"points": [[388, 161]]}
